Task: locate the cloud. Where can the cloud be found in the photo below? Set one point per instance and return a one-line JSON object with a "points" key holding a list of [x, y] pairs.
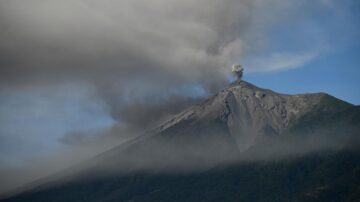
{"points": [[122, 38], [141, 50], [146, 60], [281, 61], [173, 42], [32, 119]]}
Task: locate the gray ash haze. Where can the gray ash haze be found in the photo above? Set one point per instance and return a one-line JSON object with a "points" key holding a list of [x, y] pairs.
{"points": [[80, 76]]}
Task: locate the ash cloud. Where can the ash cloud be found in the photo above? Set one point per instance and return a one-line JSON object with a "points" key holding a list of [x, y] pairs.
{"points": [[144, 58], [140, 50], [168, 42], [184, 154]]}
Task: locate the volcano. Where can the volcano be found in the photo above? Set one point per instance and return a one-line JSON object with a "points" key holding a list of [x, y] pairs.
{"points": [[244, 143]]}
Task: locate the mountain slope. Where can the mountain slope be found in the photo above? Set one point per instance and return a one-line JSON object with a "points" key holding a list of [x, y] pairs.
{"points": [[235, 131], [244, 114], [248, 112], [327, 177]]}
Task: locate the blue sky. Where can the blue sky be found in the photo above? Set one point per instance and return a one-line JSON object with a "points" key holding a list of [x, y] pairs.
{"points": [[33, 120], [82, 66], [337, 74], [330, 37]]}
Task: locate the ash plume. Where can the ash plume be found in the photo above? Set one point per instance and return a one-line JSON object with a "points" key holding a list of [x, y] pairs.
{"points": [[238, 71], [144, 61]]}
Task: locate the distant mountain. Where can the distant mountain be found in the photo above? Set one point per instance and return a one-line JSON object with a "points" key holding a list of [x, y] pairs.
{"points": [[244, 143]]}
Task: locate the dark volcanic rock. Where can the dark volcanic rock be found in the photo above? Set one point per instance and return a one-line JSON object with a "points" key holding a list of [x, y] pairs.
{"points": [[197, 155]]}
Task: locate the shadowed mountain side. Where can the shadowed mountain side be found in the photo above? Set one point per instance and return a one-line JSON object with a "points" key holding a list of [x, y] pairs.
{"points": [[235, 122], [316, 177], [216, 145]]}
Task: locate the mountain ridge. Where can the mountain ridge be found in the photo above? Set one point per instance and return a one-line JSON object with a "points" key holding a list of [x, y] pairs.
{"points": [[255, 104], [237, 120]]}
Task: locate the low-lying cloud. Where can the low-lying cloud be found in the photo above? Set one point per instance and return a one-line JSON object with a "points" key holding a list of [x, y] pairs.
{"points": [[148, 60]]}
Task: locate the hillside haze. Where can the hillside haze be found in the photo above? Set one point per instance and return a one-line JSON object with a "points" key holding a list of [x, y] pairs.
{"points": [[223, 149]]}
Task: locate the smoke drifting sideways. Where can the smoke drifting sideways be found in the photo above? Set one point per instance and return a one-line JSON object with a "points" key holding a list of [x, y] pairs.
{"points": [[188, 154], [136, 49], [192, 147], [196, 150], [138, 54], [146, 60]]}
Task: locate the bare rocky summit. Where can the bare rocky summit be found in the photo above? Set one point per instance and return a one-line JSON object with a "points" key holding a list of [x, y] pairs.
{"points": [[250, 112], [215, 150]]}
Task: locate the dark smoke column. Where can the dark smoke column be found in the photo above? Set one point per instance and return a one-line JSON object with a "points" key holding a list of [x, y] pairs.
{"points": [[238, 71]]}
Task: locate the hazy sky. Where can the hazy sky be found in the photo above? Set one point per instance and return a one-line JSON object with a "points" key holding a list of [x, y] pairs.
{"points": [[75, 72]]}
